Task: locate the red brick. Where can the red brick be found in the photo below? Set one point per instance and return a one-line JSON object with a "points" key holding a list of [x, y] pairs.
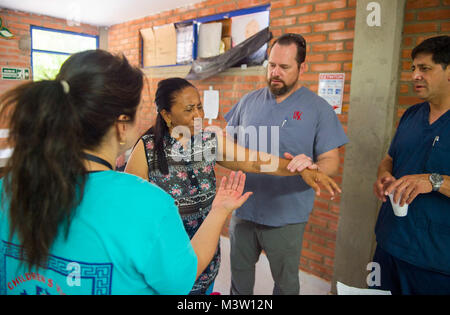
{"points": [[327, 47], [245, 4], [341, 35], [445, 27], [340, 56], [323, 271], [331, 5], [333, 208], [313, 220], [404, 88], [189, 16], [333, 226], [410, 16], [407, 100], [276, 13], [283, 21], [299, 29], [326, 67], [299, 10], [314, 239], [206, 12], [324, 214], [282, 3], [226, 8], [328, 262], [420, 4], [420, 28], [323, 250], [330, 26], [311, 255], [315, 38], [437, 14], [344, 14], [318, 17], [349, 45], [315, 58], [350, 25]]}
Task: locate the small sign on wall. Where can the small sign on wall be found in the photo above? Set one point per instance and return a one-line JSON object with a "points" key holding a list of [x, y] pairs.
{"points": [[10, 73], [331, 88]]}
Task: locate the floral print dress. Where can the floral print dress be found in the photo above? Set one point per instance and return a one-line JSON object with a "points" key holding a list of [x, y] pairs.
{"points": [[192, 184]]}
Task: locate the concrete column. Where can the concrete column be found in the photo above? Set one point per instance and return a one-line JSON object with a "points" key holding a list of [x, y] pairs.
{"points": [[373, 95], [103, 38]]}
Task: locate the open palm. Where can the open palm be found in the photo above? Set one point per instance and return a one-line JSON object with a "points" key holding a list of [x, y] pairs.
{"points": [[229, 196]]}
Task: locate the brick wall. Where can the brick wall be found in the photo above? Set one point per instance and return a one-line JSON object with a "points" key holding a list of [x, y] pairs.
{"points": [[423, 19], [13, 56], [328, 27], [19, 24]]}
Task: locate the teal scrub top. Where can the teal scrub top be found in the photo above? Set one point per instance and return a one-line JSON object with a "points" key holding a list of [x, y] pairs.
{"points": [[126, 237]]}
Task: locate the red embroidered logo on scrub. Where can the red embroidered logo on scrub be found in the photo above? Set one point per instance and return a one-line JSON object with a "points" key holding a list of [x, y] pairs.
{"points": [[298, 115]]}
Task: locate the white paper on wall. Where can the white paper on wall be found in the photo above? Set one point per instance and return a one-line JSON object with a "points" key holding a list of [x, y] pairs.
{"points": [[185, 42], [209, 39], [211, 104]]}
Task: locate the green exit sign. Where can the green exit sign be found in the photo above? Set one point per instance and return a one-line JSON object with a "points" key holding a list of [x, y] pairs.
{"points": [[15, 73]]}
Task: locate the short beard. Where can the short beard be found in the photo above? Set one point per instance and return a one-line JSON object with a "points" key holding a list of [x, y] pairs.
{"points": [[282, 90]]}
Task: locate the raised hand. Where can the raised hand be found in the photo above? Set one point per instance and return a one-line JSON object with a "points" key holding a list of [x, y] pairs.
{"points": [[229, 196]]}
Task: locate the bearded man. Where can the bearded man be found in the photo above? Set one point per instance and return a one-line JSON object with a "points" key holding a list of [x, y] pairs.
{"points": [[289, 119]]}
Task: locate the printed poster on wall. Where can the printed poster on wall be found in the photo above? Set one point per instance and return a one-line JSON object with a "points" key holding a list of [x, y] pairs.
{"points": [[331, 88]]}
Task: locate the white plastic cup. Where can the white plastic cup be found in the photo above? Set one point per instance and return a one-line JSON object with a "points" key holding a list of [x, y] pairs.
{"points": [[398, 210]]}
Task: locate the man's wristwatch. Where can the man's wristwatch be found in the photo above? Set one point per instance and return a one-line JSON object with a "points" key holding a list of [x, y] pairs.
{"points": [[436, 181]]}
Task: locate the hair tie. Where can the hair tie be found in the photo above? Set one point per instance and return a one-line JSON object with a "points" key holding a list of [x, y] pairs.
{"points": [[65, 86]]}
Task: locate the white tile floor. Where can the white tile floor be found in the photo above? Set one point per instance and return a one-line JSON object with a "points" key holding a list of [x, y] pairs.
{"points": [[309, 284]]}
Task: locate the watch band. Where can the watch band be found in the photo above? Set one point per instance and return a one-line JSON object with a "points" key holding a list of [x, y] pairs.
{"points": [[436, 181]]}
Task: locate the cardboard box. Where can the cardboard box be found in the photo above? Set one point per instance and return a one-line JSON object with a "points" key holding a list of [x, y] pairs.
{"points": [[166, 44], [160, 45], [148, 51]]}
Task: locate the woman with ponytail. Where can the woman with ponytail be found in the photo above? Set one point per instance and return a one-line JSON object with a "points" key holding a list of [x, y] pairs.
{"points": [[69, 224], [177, 155]]}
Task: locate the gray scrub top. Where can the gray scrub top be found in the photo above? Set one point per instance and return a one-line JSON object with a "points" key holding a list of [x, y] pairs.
{"points": [[304, 123]]}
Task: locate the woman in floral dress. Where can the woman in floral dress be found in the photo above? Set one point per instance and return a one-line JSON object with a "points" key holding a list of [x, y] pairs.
{"points": [[178, 156]]}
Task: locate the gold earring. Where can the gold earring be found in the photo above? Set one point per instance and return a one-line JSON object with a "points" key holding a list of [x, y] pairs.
{"points": [[169, 124], [122, 142]]}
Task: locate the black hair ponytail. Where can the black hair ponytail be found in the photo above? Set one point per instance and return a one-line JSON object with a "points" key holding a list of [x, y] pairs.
{"points": [[45, 172], [51, 125]]}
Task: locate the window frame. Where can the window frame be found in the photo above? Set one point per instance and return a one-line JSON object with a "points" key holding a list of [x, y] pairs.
{"points": [[35, 27]]}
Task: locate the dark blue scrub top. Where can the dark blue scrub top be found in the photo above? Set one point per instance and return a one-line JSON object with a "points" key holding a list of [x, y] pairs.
{"points": [[422, 238]]}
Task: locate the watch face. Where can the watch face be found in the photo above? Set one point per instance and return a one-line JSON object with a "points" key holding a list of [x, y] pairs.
{"points": [[436, 179]]}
